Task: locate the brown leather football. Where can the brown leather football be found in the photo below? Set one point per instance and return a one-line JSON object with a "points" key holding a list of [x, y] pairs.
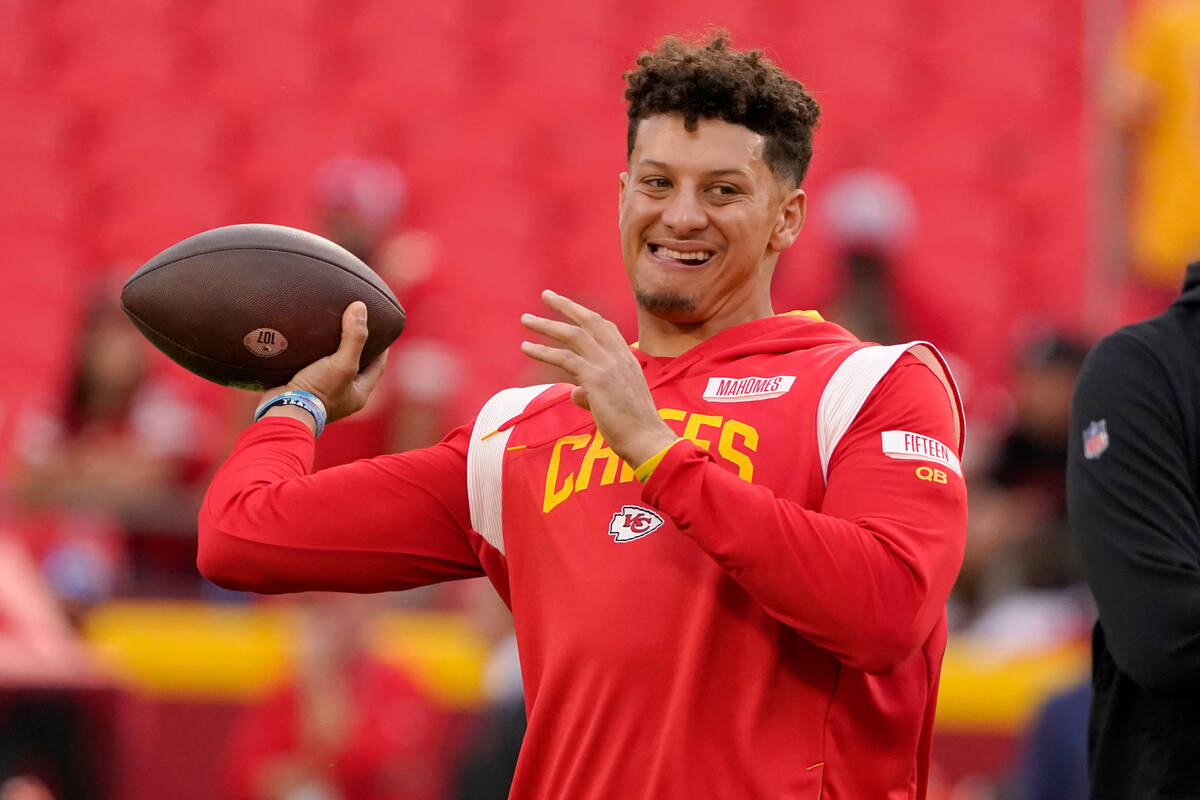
{"points": [[250, 305]]}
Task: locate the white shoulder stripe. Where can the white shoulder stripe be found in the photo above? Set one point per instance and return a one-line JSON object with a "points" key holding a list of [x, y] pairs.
{"points": [[854, 380], [485, 460]]}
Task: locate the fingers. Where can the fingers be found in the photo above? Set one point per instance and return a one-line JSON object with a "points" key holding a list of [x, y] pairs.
{"points": [[579, 397], [368, 379], [566, 361], [588, 336], [580, 315], [554, 356], [354, 336], [584, 325], [562, 331]]}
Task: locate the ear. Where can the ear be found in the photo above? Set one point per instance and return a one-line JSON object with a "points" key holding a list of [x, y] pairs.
{"points": [[792, 213], [624, 177]]}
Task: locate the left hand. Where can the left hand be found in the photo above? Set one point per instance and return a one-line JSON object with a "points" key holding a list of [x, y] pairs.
{"points": [[608, 378]]}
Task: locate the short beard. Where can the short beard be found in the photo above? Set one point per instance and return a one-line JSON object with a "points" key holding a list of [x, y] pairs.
{"points": [[664, 302]]}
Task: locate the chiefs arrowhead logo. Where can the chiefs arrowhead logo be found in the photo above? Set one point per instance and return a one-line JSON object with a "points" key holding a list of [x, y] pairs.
{"points": [[633, 522]]}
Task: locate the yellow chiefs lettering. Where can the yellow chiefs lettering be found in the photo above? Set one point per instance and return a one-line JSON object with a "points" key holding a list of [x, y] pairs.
{"points": [[583, 460]]}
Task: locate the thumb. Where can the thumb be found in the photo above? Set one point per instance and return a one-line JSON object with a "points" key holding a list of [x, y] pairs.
{"points": [[579, 397], [371, 374], [354, 336]]}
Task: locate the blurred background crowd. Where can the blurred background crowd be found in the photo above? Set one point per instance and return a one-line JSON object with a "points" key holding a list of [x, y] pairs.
{"points": [[1009, 181]]}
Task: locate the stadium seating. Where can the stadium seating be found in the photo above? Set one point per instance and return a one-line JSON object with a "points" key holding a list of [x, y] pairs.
{"points": [[508, 119]]}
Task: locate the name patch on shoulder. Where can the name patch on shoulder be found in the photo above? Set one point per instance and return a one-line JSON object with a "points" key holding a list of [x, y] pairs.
{"points": [[915, 447], [740, 390]]}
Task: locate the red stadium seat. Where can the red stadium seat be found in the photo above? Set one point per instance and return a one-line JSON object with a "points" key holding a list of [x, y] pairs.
{"points": [[101, 64]]}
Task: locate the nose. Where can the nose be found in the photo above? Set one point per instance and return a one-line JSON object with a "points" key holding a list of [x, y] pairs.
{"points": [[684, 213]]}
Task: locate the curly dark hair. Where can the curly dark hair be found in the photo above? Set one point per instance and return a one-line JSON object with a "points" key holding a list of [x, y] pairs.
{"points": [[707, 80]]}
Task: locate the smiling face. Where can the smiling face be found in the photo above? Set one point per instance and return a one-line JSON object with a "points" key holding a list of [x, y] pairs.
{"points": [[703, 221]]}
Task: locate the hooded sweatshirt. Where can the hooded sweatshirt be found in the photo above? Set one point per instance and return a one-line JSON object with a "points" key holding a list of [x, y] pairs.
{"points": [[762, 617]]}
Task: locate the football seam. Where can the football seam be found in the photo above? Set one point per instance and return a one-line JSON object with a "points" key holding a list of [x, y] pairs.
{"points": [[190, 351], [394, 303]]}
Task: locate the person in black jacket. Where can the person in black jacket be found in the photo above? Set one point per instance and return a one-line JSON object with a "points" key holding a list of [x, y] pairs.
{"points": [[1132, 482]]}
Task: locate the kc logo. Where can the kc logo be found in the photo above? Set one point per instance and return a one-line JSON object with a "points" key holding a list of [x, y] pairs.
{"points": [[633, 522]]}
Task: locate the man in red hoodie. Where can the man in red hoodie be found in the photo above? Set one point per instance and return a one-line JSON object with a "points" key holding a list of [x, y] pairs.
{"points": [[727, 549]]}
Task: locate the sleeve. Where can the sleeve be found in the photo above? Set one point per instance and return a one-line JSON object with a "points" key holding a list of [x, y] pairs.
{"points": [[380, 524], [865, 576], [1133, 515]]}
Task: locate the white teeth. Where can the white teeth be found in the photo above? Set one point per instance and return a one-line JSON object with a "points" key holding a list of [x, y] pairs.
{"points": [[678, 256]]}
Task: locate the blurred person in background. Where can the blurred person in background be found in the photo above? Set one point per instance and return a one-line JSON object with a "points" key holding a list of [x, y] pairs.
{"points": [[1153, 99], [106, 488], [362, 204], [1021, 575], [344, 725], [871, 215], [488, 759], [38, 646], [1053, 760], [43, 734], [1133, 486]]}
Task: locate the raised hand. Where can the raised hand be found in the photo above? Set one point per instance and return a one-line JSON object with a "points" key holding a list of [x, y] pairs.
{"points": [[608, 378]]}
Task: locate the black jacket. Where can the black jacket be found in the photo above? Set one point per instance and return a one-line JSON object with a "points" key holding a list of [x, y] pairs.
{"points": [[1133, 490]]}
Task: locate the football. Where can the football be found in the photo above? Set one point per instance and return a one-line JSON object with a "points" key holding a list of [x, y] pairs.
{"points": [[250, 305]]}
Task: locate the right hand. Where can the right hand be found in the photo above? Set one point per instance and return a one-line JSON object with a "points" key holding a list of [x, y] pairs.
{"points": [[335, 378]]}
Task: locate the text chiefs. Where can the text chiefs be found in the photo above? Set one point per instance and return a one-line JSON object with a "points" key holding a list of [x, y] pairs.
{"points": [[572, 471]]}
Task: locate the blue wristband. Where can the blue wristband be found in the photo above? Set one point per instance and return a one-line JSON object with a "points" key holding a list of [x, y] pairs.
{"points": [[300, 398]]}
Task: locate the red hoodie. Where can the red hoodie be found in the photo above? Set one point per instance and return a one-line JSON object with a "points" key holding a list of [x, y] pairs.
{"points": [[764, 617]]}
